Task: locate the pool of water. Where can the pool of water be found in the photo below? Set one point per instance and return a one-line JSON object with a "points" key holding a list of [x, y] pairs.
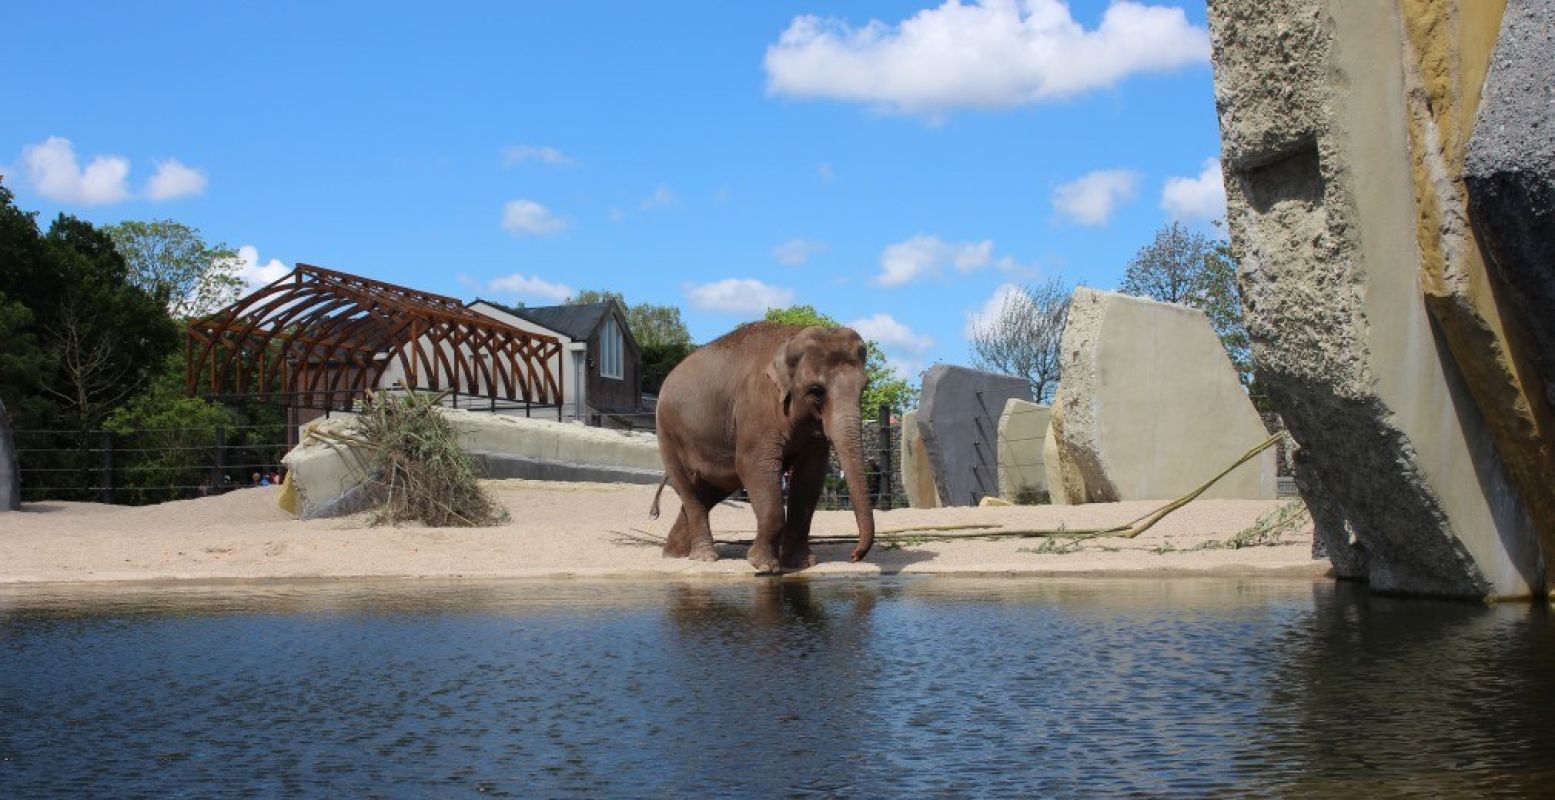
{"points": [[781, 687]]}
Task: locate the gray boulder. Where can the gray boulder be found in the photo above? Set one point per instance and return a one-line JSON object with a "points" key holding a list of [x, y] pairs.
{"points": [[10, 469], [1510, 171], [958, 420]]}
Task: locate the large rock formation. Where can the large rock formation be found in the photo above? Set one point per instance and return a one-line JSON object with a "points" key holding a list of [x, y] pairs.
{"points": [[10, 469], [1510, 172], [1022, 434], [1150, 407], [917, 473], [958, 418], [1381, 337]]}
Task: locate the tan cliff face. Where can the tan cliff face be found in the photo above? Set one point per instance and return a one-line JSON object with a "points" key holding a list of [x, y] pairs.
{"points": [[1377, 327], [1448, 47]]}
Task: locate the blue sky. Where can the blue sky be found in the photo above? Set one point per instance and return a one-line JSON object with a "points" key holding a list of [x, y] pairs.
{"points": [[891, 163]]}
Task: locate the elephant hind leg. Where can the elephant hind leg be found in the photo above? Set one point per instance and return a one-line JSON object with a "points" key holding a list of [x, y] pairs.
{"points": [[691, 536], [678, 543]]}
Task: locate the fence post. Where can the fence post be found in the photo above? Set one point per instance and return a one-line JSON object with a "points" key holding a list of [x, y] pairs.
{"points": [[219, 463], [887, 491], [105, 493]]}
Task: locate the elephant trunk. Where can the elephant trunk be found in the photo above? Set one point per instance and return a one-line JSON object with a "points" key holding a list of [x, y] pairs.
{"points": [[847, 435]]}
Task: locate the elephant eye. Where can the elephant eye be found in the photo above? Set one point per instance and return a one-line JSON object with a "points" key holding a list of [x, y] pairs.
{"points": [[817, 391]]}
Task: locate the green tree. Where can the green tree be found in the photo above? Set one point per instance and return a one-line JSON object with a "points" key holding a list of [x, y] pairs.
{"points": [[174, 264], [882, 386], [88, 339], [652, 325], [1186, 267]]}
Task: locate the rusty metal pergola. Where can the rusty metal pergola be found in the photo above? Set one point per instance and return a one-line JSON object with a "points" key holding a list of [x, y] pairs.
{"points": [[318, 338]]}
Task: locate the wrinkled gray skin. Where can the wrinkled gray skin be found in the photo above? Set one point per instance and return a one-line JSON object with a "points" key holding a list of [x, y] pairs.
{"points": [[741, 410]]}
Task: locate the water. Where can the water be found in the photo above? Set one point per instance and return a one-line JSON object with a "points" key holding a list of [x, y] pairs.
{"points": [[906, 687]]}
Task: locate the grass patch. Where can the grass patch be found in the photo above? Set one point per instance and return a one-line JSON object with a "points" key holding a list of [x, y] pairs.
{"points": [[1055, 545], [1269, 530]]}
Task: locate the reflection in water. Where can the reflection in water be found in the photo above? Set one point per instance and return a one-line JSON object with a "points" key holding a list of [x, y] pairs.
{"points": [[1024, 687]]}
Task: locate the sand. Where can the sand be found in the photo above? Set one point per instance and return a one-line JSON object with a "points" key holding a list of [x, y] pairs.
{"points": [[560, 530]]}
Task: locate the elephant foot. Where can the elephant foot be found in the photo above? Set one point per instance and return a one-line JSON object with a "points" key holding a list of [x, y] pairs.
{"points": [[763, 559], [703, 552], [798, 559]]}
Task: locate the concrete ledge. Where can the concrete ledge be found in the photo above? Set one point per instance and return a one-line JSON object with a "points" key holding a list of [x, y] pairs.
{"points": [[328, 476], [504, 466]]}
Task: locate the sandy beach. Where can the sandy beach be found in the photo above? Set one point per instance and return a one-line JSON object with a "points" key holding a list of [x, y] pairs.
{"points": [[561, 530]]}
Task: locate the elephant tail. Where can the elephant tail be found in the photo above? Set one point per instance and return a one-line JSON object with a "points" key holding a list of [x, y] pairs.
{"points": [[653, 512]]}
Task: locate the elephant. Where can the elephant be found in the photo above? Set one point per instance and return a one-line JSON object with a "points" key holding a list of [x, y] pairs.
{"points": [[742, 410]]}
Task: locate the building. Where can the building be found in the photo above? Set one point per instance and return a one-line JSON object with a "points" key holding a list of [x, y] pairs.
{"points": [[601, 371]]}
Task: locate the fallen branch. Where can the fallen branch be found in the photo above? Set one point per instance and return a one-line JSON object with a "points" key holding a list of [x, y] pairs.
{"points": [[1128, 530]]}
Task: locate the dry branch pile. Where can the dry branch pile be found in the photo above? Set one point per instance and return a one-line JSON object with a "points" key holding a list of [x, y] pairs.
{"points": [[421, 474]]}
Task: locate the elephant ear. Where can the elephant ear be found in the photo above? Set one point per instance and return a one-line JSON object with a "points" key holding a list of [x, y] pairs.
{"points": [[781, 371]]}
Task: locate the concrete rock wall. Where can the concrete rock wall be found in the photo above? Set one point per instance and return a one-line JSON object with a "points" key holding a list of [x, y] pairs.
{"points": [[325, 477], [1150, 407], [958, 417], [10, 469], [1022, 434], [917, 472], [1378, 332]]}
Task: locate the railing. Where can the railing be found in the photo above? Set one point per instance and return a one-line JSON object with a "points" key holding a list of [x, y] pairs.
{"points": [[882, 457], [145, 466]]}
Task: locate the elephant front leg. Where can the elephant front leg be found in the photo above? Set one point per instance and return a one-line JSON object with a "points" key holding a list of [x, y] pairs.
{"points": [[766, 494], [804, 492]]}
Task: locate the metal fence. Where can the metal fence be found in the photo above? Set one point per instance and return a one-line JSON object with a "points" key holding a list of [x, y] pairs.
{"points": [[145, 466], [882, 468]]}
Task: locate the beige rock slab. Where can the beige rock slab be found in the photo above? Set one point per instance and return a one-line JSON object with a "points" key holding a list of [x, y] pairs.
{"points": [[1022, 438], [1150, 405], [1321, 192]]}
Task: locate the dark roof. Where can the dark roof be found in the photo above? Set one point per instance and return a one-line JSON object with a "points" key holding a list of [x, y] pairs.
{"points": [[575, 322]]}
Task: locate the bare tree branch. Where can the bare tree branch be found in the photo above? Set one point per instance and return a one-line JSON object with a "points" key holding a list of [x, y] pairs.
{"points": [[1022, 336]]}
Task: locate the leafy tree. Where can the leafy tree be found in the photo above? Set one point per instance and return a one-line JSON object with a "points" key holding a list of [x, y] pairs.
{"points": [[652, 325], [658, 360], [105, 336], [171, 262], [169, 438], [88, 338], [881, 387], [1022, 337], [1182, 266]]}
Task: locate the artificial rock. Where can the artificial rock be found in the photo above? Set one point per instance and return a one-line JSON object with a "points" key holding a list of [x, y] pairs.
{"points": [[958, 418], [1150, 406], [917, 473], [1380, 336], [1022, 435], [10, 469]]}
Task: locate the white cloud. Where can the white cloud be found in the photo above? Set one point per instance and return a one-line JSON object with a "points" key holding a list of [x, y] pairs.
{"points": [[532, 286], [795, 252], [986, 54], [981, 317], [1196, 199], [923, 255], [825, 172], [660, 198], [254, 274], [520, 154], [528, 218], [1091, 198], [52, 169], [738, 296], [174, 179], [890, 334]]}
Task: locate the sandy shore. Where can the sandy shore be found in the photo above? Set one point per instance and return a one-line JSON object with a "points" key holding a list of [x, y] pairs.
{"points": [[562, 530]]}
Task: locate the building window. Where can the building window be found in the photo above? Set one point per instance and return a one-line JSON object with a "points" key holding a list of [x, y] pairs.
{"points": [[611, 351]]}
